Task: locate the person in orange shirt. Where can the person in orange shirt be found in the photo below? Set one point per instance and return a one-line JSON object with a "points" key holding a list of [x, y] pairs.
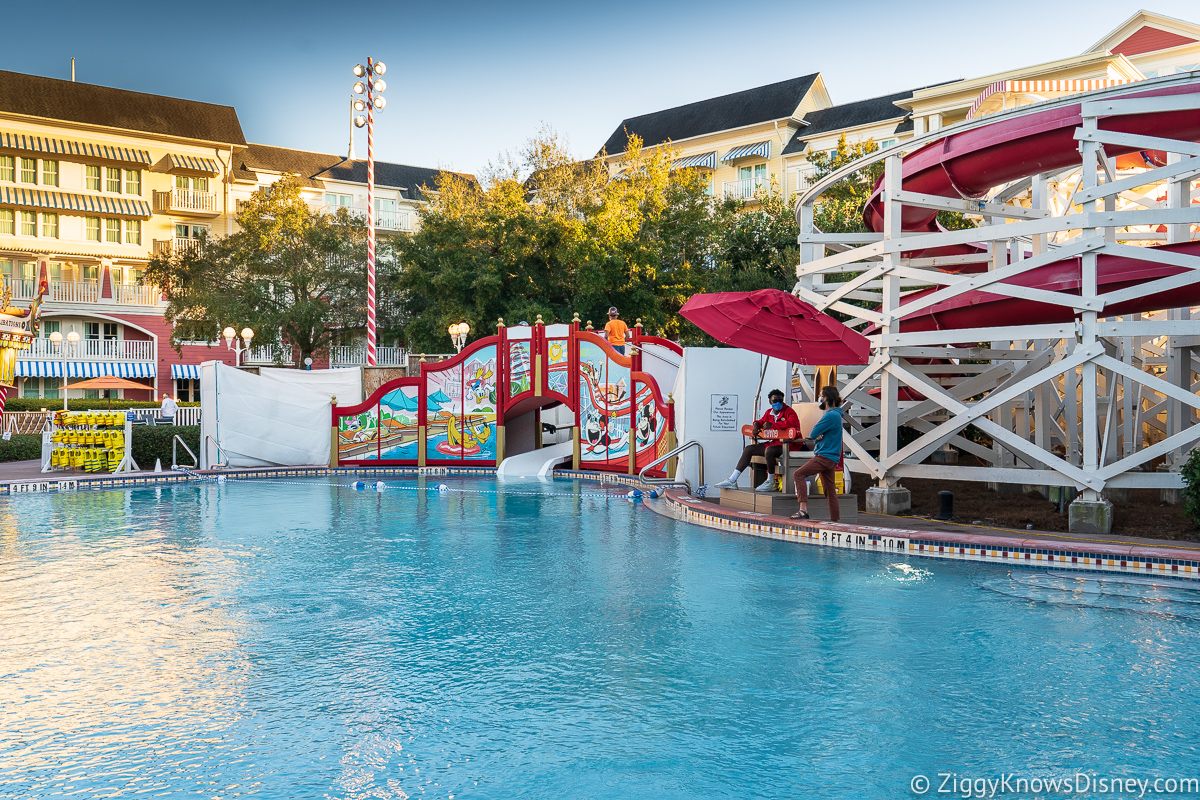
{"points": [[615, 331]]}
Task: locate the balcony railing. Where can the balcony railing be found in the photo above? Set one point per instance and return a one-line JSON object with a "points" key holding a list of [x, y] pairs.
{"points": [[186, 201], [62, 291], [137, 294], [744, 189], [91, 350], [177, 245], [356, 356], [384, 220], [266, 355]]}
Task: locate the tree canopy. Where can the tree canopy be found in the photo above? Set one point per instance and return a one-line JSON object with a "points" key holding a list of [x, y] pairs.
{"points": [[294, 275]]}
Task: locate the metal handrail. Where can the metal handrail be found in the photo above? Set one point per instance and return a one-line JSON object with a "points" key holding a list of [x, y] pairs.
{"points": [[220, 452], [175, 458], [671, 481]]}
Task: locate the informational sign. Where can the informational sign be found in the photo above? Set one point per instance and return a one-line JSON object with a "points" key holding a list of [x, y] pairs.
{"points": [[8, 436], [724, 414]]}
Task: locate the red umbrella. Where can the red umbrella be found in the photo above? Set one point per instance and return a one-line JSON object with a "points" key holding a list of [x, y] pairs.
{"points": [[776, 324]]}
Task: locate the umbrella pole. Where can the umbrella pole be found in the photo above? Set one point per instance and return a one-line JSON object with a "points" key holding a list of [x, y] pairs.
{"points": [[762, 375]]}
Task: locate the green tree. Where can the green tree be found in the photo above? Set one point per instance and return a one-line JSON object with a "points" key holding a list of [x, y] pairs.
{"points": [[296, 276], [546, 234]]}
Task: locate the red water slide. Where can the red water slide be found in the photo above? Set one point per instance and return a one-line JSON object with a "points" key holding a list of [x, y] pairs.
{"points": [[971, 163]]}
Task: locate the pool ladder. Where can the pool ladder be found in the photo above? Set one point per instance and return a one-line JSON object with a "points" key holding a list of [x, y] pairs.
{"points": [[671, 481], [175, 455]]}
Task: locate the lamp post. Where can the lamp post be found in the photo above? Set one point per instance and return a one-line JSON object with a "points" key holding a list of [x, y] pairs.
{"points": [[56, 339], [242, 345], [458, 335], [373, 86]]}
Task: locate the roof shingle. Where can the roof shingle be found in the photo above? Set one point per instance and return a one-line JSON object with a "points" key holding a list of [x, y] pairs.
{"points": [[50, 98], [747, 107]]}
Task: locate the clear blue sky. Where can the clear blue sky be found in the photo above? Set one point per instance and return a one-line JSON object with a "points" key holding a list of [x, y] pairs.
{"points": [[468, 80]]}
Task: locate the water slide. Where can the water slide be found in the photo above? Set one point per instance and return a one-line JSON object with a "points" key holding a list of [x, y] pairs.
{"points": [[972, 163]]}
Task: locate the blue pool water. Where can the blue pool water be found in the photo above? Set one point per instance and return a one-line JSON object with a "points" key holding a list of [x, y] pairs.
{"points": [[297, 639]]}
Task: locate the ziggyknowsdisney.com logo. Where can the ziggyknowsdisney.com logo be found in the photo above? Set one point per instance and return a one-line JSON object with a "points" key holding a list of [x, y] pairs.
{"points": [[1079, 784]]}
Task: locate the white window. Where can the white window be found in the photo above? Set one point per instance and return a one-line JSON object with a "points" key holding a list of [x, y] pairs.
{"points": [[385, 213], [91, 228], [183, 231], [133, 231], [758, 172], [133, 181], [112, 231], [28, 170], [91, 174], [336, 201], [886, 143], [29, 223], [8, 168], [50, 173], [8, 222], [112, 179], [50, 226]]}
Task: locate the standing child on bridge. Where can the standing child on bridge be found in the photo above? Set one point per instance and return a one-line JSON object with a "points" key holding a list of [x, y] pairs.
{"points": [[615, 330]]}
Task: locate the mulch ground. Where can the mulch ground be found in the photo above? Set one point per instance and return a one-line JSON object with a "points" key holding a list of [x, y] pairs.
{"points": [[974, 503]]}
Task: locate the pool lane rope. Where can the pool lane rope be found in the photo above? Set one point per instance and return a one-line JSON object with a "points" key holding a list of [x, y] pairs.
{"points": [[441, 488]]}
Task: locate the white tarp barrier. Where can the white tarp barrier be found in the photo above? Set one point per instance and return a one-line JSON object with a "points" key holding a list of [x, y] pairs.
{"points": [[714, 397], [258, 421], [344, 384]]}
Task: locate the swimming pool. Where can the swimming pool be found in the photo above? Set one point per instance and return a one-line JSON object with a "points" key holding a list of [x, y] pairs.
{"points": [[300, 639]]}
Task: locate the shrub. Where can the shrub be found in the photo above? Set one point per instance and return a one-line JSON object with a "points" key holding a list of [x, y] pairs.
{"points": [[1191, 486], [154, 441], [21, 447], [80, 404]]}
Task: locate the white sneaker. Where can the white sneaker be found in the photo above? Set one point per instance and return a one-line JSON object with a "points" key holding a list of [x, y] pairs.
{"points": [[766, 486], [725, 484]]}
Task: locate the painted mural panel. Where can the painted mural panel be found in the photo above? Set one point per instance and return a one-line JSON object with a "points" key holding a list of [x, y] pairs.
{"points": [[604, 405], [650, 430], [358, 434], [461, 403], [520, 367], [398, 423], [558, 366]]}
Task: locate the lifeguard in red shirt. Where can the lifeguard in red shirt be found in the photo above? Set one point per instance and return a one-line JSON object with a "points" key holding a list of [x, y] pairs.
{"points": [[779, 416]]}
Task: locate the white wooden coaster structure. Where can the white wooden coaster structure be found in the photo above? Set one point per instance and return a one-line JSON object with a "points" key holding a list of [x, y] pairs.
{"points": [[1085, 404]]}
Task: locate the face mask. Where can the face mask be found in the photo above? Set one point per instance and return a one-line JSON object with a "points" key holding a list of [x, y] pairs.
{"points": [[822, 404], [778, 406]]}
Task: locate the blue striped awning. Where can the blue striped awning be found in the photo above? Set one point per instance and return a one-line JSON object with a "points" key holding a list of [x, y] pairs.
{"points": [[193, 163], [762, 149], [81, 203], [85, 369], [63, 147], [185, 372], [706, 160]]}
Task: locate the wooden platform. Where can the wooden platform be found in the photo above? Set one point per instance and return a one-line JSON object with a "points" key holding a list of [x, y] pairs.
{"points": [[785, 504]]}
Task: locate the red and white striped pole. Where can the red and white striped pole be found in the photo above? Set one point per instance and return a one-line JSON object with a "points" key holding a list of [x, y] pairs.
{"points": [[370, 212]]}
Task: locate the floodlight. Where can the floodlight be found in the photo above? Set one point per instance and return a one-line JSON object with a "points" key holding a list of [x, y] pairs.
{"points": [[229, 333], [380, 85], [464, 328], [359, 121], [359, 105], [73, 337], [359, 87], [380, 102], [380, 68], [359, 71], [247, 335]]}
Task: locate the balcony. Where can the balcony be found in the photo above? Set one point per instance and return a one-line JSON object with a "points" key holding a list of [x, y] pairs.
{"points": [[91, 350], [178, 245], [744, 189], [137, 294], [60, 291], [265, 355], [356, 356], [384, 220], [187, 201]]}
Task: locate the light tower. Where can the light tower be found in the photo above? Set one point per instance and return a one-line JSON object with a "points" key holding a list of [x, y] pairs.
{"points": [[372, 86]]}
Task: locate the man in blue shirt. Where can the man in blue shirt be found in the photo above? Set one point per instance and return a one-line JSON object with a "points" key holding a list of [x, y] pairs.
{"points": [[827, 448]]}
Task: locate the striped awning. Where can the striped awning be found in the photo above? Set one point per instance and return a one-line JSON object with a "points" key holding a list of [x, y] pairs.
{"points": [[761, 149], [78, 203], [64, 147], [185, 372], [1073, 86], [706, 160], [193, 163], [85, 369]]}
